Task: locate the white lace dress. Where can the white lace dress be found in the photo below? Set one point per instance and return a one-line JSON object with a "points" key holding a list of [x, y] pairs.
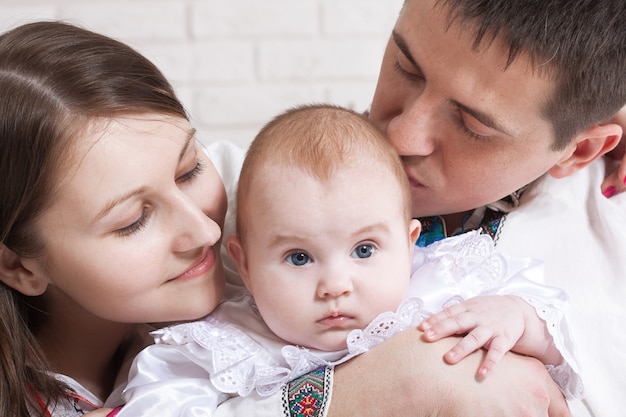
{"points": [[193, 367]]}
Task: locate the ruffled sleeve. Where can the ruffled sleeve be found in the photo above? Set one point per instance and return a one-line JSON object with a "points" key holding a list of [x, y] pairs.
{"points": [[467, 265]]}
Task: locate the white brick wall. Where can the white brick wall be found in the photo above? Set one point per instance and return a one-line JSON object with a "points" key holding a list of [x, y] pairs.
{"points": [[237, 63]]}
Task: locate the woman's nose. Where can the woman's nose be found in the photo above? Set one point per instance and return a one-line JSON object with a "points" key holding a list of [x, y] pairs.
{"points": [[193, 227]]}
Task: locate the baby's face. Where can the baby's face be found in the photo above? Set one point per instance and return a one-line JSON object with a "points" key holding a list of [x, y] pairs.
{"points": [[325, 258]]}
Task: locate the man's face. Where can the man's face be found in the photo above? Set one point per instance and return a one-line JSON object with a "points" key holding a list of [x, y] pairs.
{"points": [[469, 132]]}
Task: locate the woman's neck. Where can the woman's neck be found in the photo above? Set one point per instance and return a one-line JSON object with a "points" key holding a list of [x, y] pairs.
{"points": [[82, 346]]}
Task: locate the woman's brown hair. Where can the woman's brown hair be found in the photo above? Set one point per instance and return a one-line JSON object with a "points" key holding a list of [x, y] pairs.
{"points": [[54, 79]]}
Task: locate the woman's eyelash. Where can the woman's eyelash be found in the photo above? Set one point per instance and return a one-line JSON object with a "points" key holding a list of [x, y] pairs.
{"points": [[188, 176], [136, 226]]}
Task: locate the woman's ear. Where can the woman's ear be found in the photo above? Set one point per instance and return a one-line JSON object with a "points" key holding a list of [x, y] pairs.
{"points": [[586, 148], [235, 250], [14, 274]]}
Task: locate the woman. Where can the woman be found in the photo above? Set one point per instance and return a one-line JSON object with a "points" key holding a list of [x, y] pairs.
{"points": [[111, 216]]}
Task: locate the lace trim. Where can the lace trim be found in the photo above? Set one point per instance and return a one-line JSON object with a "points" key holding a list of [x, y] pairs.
{"points": [[308, 395], [564, 375], [237, 363], [410, 313]]}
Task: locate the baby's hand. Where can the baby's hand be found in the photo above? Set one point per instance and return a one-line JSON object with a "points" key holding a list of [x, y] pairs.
{"points": [[495, 322]]}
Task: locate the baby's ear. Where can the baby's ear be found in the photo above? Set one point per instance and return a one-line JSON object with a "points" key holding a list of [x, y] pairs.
{"points": [[588, 146], [415, 228], [235, 250], [16, 275]]}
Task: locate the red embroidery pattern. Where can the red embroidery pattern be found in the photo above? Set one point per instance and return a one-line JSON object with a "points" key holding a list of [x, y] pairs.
{"points": [[306, 395]]}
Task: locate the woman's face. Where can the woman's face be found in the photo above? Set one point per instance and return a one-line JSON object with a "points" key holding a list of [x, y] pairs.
{"points": [[134, 230]]}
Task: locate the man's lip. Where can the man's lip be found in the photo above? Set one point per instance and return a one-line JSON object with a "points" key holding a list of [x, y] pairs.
{"points": [[201, 267], [412, 181]]}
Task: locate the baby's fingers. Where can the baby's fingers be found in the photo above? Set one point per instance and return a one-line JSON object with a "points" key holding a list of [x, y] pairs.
{"points": [[453, 320], [473, 341], [498, 347]]}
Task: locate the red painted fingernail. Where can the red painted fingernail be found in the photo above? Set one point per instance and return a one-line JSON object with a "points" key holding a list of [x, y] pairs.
{"points": [[114, 412], [610, 191]]}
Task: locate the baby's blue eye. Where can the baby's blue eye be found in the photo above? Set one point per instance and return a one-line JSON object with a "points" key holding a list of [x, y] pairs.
{"points": [[298, 258], [364, 251]]}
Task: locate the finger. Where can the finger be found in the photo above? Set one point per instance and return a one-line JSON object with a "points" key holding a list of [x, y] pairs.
{"points": [[612, 185], [498, 347], [446, 313], [473, 341], [453, 324]]}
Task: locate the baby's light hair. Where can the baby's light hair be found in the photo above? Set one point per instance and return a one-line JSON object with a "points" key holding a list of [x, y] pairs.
{"points": [[320, 139]]}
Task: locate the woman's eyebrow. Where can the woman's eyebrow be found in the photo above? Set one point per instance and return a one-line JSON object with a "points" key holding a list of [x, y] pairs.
{"points": [[188, 141], [118, 200], [114, 202]]}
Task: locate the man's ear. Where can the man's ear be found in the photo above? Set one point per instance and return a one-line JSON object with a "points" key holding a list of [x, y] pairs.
{"points": [[586, 147], [14, 274], [235, 250]]}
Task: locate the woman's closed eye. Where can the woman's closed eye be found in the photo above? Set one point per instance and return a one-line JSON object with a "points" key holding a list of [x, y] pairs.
{"points": [[137, 225], [191, 174]]}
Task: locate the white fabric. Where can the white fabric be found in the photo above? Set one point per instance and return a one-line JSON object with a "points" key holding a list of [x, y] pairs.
{"points": [[581, 236], [193, 367]]}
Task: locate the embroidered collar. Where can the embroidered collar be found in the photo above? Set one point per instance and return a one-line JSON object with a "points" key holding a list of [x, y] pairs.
{"points": [[488, 220], [434, 227]]}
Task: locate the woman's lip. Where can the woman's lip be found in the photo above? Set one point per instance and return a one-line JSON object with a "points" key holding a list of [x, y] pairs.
{"points": [[199, 268]]}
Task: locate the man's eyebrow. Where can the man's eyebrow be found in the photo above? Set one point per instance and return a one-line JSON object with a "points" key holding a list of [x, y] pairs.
{"points": [[111, 204], [481, 117], [404, 48]]}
